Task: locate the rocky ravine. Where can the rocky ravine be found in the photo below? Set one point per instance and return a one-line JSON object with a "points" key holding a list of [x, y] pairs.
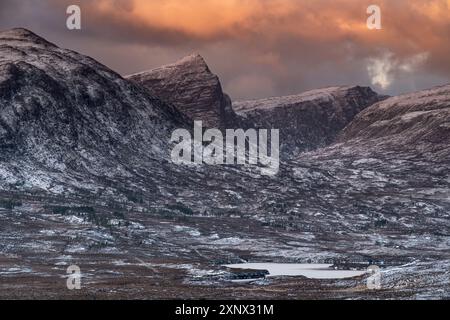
{"points": [[85, 179]]}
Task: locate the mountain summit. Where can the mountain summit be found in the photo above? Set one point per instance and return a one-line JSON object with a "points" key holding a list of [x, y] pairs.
{"points": [[190, 85]]}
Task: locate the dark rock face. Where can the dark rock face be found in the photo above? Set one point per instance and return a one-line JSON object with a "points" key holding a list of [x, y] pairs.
{"points": [[310, 120], [192, 88]]}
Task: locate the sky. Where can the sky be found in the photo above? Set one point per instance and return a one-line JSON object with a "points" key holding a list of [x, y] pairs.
{"points": [[259, 48]]}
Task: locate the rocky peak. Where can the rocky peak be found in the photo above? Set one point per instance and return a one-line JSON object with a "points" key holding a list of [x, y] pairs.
{"points": [[192, 88]]}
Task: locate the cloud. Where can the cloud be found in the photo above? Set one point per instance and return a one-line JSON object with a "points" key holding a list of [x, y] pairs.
{"points": [[297, 44]]}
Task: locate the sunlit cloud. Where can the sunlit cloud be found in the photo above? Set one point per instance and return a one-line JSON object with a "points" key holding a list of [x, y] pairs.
{"points": [[259, 47]]}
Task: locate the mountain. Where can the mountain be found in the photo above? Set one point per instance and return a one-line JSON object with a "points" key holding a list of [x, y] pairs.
{"points": [[192, 88], [86, 180], [310, 120], [62, 112], [418, 122], [307, 121]]}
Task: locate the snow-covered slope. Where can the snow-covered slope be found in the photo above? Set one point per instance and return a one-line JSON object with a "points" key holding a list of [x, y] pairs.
{"points": [[62, 111], [309, 120], [419, 122]]}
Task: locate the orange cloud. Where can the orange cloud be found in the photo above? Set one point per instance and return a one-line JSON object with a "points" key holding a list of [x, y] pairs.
{"points": [[406, 23]]}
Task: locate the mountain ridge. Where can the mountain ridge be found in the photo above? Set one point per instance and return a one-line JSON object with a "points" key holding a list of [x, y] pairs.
{"points": [[418, 121], [190, 85], [307, 121]]}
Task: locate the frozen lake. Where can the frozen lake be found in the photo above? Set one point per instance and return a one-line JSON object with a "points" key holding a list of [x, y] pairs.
{"points": [[311, 271]]}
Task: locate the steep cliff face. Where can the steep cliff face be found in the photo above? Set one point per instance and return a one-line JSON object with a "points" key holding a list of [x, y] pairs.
{"points": [[419, 121], [192, 88], [310, 120]]}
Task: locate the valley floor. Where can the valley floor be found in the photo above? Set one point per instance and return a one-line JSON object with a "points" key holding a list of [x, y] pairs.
{"points": [[181, 257]]}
